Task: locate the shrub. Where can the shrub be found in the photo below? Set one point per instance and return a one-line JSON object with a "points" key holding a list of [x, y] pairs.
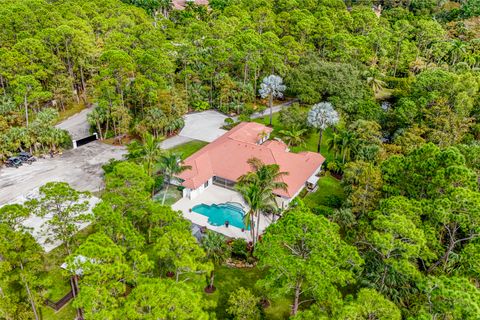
{"points": [[243, 117], [201, 105], [108, 167], [243, 304], [239, 248]]}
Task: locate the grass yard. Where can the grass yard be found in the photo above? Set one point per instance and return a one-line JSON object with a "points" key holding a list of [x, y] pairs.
{"points": [[228, 279], [70, 111], [66, 313], [173, 195], [328, 187], [189, 148], [311, 140]]}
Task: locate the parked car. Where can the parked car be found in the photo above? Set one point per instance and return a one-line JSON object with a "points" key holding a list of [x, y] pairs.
{"points": [[13, 162], [26, 157]]}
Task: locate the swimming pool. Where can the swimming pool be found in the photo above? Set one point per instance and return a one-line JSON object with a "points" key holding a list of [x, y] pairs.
{"points": [[219, 213]]}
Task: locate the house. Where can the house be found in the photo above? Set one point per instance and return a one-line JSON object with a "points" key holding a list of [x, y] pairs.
{"points": [[224, 161], [182, 4]]}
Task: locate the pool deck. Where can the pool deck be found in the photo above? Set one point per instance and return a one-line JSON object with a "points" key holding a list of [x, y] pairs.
{"points": [[216, 195]]}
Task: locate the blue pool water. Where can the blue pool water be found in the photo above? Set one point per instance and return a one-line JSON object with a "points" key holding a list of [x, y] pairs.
{"points": [[219, 213]]}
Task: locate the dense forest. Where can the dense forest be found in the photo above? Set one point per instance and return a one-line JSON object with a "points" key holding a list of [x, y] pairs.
{"points": [[402, 78]]}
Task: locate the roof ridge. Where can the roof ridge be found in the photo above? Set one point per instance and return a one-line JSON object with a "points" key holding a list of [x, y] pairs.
{"points": [[281, 177]]}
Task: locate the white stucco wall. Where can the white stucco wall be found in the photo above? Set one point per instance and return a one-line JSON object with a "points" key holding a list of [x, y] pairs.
{"points": [[315, 173], [193, 193], [283, 202]]}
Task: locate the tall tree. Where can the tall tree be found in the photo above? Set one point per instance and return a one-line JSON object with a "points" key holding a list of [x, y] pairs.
{"points": [[217, 252], [257, 188], [165, 299], [369, 304], [66, 210], [20, 267], [306, 258], [13, 215], [272, 87], [29, 91], [321, 116], [170, 164], [148, 152], [294, 136], [178, 250], [105, 275]]}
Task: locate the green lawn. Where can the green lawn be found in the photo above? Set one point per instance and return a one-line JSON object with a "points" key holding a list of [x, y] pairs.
{"points": [[189, 148], [66, 313], [70, 111], [173, 195], [229, 279], [311, 140], [328, 186]]}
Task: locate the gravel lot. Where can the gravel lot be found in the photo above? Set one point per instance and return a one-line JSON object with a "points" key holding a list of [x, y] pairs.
{"points": [[81, 168]]}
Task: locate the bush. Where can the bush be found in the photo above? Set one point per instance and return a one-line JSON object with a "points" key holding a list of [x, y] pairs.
{"points": [[243, 117], [201, 105], [243, 304], [322, 210], [225, 108], [108, 167], [333, 201], [229, 121], [294, 116], [239, 248]]}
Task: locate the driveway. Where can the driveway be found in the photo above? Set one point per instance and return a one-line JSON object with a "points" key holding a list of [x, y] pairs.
{"points": [[206, 125], [77, 125]]}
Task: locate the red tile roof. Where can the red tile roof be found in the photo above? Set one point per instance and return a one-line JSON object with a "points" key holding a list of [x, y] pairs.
{"points": [[227, 157], [181, 4]]}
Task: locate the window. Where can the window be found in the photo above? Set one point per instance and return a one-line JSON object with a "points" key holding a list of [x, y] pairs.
{"points": [[223, 183]]}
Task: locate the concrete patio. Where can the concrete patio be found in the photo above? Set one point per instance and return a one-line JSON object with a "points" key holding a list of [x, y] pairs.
{"points": [[216, 195]]}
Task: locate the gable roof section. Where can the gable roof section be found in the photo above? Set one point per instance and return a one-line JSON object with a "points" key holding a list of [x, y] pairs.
{"points": [[227, 157]]}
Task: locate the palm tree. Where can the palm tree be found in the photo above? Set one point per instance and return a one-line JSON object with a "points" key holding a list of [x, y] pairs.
{"points": [[148, 152], [334, 144], [256, 201], [321, 116], [216, 251], [258, 187], [457, 51], [348, 143], [171, 164], [293, 136], [272, 87], [376, 84], [344, 143]]}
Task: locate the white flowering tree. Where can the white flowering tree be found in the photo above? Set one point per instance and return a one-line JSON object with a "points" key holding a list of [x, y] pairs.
{"points": [[272, 87], [321, 116]]}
